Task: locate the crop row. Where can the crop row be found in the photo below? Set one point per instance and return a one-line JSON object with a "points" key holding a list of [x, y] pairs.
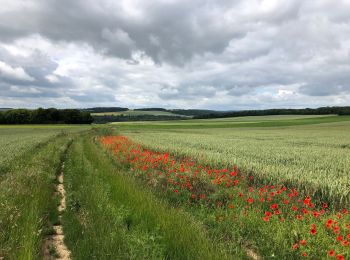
{"points": [[304, 225], [315, 158]]}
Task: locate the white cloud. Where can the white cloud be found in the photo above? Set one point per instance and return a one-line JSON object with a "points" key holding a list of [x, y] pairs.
{"points": [[13, 73], [194, 54]]}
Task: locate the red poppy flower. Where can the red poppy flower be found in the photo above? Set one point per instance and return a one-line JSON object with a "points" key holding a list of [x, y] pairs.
{"points": [[233, 173], [278, 212], [295, 246], [336, 231], [266, 219], [340, 257], [274, 206], [313, 231], [295, 208], [250, 200], [340, 238], [316, 214], [268, 214], [345, 243], [331, 252], [303, 242], [307, 201], [305, 254]]}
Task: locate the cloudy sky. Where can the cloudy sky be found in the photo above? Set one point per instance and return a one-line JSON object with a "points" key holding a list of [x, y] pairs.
{"points": [[219, 54]]}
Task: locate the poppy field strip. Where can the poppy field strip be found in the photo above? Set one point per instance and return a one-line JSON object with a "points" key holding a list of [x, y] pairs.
{"points": [[111, 216], [314, 158], [299, 224]]}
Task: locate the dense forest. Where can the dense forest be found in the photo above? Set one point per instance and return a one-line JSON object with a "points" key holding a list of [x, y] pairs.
{"points": [[304, 111], [45, 116]]}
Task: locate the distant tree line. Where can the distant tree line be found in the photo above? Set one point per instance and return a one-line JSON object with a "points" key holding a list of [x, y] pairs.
{"points": [[151, 109], [193, 112], [184, 112], [45, 116], [125, 118], [104, 109], [304, 111]]}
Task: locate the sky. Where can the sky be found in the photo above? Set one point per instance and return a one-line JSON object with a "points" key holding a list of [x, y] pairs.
{"points": [[203, 54]]}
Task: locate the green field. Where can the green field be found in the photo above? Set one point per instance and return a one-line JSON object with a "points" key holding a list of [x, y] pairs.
{"points": [[310, 153], [16, 140], [163, 190], [137, 113], [235, 123]]}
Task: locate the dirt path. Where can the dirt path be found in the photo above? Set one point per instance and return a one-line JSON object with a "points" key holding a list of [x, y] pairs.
{"points": [[54, 247], [252, 254]]}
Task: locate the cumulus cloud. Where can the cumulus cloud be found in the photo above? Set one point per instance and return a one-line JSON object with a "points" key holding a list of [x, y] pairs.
{"points": [[13, 73], [218, 54]]}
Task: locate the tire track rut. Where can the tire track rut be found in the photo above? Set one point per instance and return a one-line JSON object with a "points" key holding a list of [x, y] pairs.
{"points": [[54, 246]]}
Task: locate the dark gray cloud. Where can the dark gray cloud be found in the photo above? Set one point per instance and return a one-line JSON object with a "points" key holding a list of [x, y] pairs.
{"points": [[170, 31], [219, 54]]}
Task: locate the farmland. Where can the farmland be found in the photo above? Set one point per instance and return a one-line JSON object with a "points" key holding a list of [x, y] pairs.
{"points": [[309, 155], [137, 113], [314, 153], [30, 157], [231, 188], [16, 140]]}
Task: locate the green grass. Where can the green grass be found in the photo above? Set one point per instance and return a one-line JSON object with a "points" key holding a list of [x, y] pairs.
{"points": [[18, 139], [30, 157], [26, 200], [111, 216], [312, 154]]}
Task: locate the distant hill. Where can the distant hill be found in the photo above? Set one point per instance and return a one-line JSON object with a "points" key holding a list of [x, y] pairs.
{"points": [[194, 112], [132, 113], [104, 109], [268, 112], [151, 109], [155, 111], [5, 108], [102, 115]]}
